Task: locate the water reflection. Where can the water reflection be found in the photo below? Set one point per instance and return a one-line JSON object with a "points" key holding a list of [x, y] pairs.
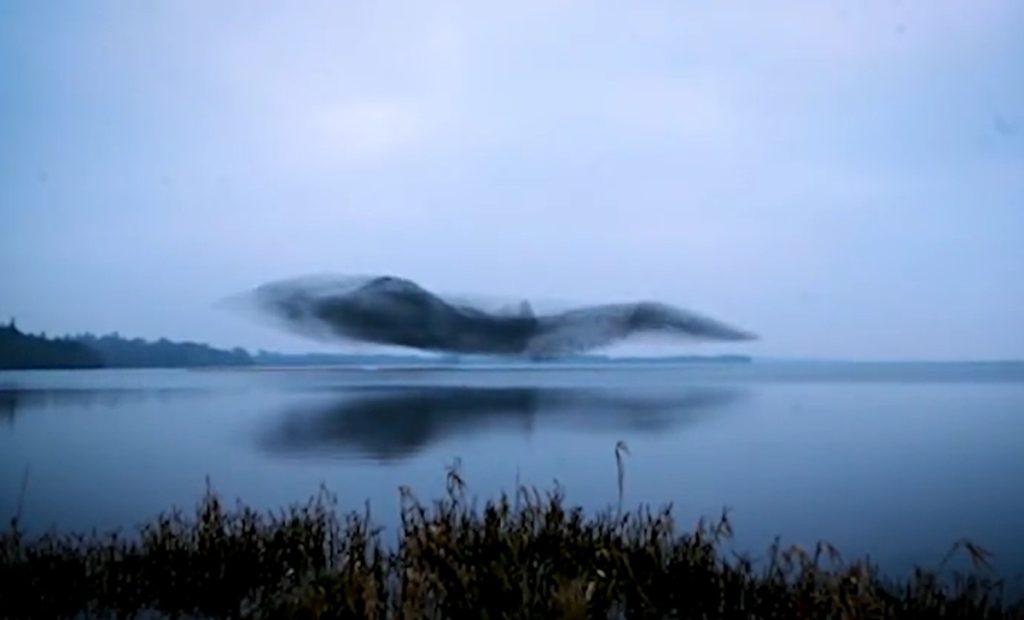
{"points": [[8, 406], [16, 401], [399, 422]]}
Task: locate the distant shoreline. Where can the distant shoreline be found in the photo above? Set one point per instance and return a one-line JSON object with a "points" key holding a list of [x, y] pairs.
{"points": [[25, 351]]}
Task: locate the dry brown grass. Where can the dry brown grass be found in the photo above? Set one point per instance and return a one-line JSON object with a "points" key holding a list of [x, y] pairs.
{"points": [[525, 556]]}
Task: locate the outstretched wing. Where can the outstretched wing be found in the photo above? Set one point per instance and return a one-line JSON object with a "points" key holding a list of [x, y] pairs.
{"points": [[591, 327], [381, 309]]}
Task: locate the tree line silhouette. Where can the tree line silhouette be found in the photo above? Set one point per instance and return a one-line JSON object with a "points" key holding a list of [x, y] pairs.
{"points": [[20, 350]]}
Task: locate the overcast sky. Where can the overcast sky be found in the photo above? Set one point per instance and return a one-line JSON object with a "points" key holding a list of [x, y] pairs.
{"points": [[846, 179]]}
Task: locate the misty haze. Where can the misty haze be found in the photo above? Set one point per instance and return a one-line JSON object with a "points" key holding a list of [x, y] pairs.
{"points": [[504, 281]]}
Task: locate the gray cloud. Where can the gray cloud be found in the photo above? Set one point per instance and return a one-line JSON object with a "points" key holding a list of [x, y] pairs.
{"points": [[798, 166]]}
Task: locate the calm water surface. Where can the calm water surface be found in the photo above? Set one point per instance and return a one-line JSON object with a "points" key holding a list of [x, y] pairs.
{"points": [[896, 461]]}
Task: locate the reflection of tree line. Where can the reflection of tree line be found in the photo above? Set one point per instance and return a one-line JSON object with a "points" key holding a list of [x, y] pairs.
{"points": [[400, 422], [15, 400], [8, 406]]}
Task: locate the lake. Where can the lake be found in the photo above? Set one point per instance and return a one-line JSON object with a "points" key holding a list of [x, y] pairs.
{"points": [[893, 460]]}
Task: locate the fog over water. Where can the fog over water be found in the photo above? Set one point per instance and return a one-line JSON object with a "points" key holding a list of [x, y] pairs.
{"points": [[895, 460]]}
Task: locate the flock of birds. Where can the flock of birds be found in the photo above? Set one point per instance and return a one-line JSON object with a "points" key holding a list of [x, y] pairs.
{"points": [[388, 310]]}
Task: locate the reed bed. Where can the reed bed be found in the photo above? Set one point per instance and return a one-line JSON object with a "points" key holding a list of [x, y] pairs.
{"points": [[528, 555]]}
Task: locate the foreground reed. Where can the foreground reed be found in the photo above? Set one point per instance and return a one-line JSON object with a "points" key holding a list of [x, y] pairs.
{"points": [[525, 556]]}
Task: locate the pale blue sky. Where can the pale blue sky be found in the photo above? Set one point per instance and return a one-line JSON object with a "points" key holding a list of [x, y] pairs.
{"points": [[844, 178]]}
